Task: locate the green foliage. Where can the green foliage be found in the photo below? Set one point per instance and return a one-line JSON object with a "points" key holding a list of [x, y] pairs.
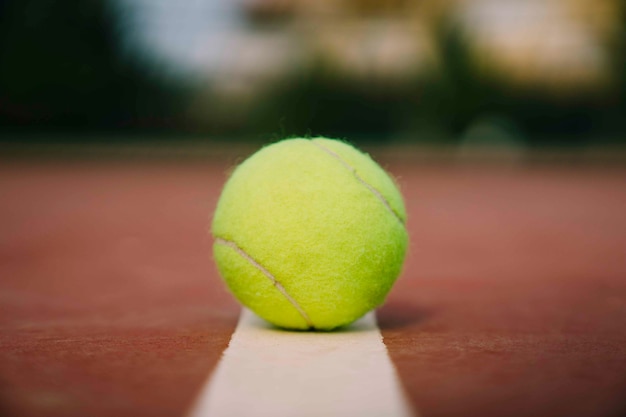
{"points": [[61, 67]]}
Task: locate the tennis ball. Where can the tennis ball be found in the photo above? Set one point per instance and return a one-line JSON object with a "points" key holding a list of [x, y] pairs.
{"points": [[309, 233]]}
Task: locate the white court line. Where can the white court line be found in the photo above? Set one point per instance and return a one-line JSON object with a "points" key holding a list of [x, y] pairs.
{"points": [[276, 373]]}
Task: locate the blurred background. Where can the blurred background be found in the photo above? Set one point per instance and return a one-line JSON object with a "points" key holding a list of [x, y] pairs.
{"points": [[513, 74]]}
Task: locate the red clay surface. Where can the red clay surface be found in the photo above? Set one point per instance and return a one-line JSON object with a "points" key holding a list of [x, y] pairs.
{"points": [[512, 302]]}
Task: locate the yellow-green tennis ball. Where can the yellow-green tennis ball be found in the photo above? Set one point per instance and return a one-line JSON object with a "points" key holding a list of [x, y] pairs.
{"points": [[310, 234]]}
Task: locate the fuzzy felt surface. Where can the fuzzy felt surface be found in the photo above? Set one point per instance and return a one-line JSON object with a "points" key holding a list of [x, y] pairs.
{"points": [[309, 233]]}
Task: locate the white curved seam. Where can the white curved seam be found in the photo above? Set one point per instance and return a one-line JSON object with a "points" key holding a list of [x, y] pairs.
{"points": [[350, 168], [269, 275]]}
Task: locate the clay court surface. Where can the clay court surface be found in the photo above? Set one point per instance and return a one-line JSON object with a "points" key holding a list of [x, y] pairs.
{"points": [[512, 301]]}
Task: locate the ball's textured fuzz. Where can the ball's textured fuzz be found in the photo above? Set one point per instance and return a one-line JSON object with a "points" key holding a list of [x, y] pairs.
{"points": [[309, 233]]}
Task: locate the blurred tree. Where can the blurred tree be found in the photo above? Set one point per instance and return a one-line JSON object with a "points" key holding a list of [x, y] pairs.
{"points": [[322, 105], [455, 93], [617, 116], [461, 91], [61, 67]]}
